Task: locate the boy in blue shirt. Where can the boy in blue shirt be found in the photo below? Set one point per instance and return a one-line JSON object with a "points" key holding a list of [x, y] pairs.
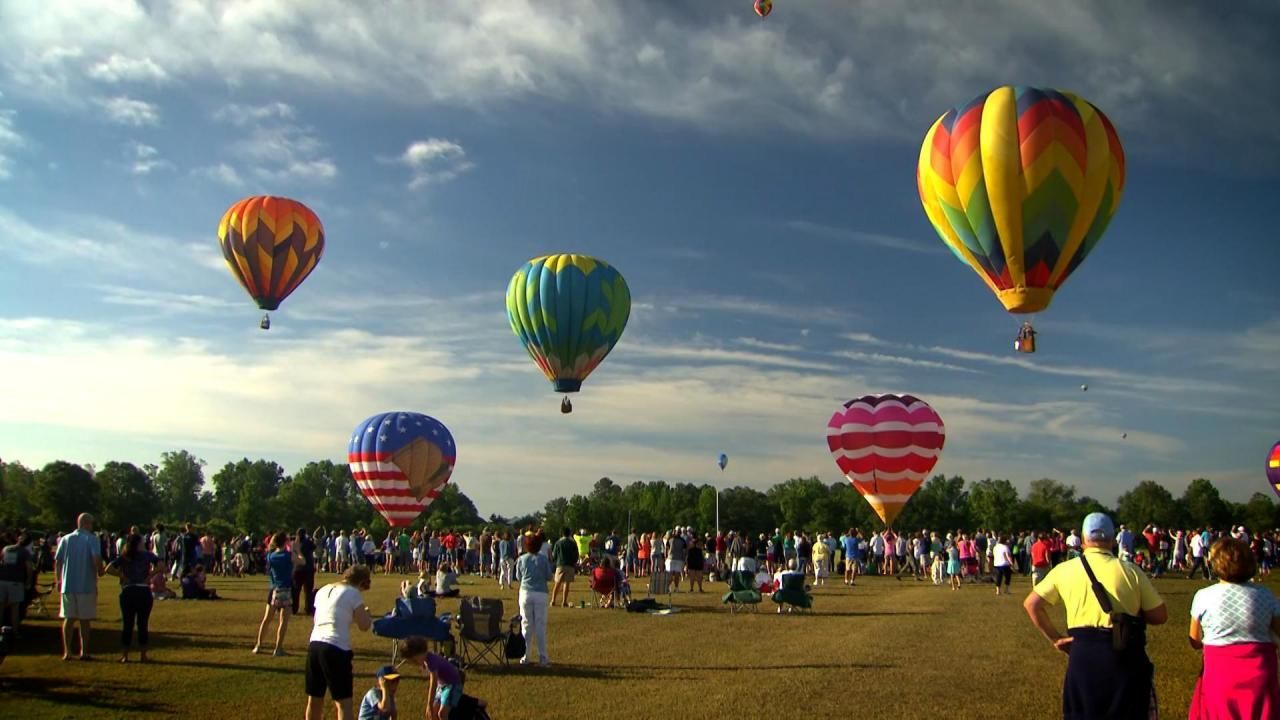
{"points": [[380, 702]]}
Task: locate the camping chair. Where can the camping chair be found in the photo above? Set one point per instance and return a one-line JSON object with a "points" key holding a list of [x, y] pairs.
{"points": [[480, 627], [415, 616], [742, 592], [660, 584], [793, 594], [37, 601], [603, 588]]}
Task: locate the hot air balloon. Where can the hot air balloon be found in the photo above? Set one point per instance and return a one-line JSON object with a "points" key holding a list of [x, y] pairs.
{"points": [[764, 7], [569, 311], [400, 460], [1273, 468], [886, 445], [724, 460], [1084, 388], [270, 244], [1020, 184]]}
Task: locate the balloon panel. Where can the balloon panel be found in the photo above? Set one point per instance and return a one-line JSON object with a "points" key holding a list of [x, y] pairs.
{"points": [[886, 445], [400, 460], [271, 244], [1273, 468], [1020, 183]]}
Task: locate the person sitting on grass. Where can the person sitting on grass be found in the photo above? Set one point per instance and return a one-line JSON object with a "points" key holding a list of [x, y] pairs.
{"points": [[446, 581], [160, 588], [380, 702], [193, 585], [444, 691], [604, 580]]}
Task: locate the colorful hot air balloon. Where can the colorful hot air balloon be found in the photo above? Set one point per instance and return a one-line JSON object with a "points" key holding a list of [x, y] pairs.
{"points": [[1020, 183], [270, 244], [400, 460], [886, 445], [724, 460], [1273, 468], [764, 7], [569, 311]]}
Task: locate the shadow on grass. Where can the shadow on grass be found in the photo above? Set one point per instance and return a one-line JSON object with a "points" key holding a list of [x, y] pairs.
{"points": [[646, 672], [60, 692]]}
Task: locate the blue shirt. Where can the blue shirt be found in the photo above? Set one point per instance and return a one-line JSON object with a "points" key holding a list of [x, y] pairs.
{"points": [[79, 554], [280, 569], [369, 706], [533, 570]]}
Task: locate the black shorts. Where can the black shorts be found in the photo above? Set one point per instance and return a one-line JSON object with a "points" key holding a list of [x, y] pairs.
{"points": [[329, 669]]}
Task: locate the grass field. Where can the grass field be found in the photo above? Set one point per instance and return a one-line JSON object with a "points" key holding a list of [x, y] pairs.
{"points": [[885, 649]]}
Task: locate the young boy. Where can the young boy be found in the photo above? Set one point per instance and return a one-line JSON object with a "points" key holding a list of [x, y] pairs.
{"points": [[445, 689], [380, 702]]}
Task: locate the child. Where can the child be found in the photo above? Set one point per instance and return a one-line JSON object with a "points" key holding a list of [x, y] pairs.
{"points": [[444, 692], [380, 702]]}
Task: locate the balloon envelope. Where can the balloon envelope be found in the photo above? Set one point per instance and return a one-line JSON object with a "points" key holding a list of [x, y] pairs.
{"points": [[1273, 468], [271, 244], [1020, 184], [886, 445], [568, 311], [764, 7], [724, 460], [400, 460]]}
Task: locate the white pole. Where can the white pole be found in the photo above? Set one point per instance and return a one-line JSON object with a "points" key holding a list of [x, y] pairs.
{"points": [[717, 512]]}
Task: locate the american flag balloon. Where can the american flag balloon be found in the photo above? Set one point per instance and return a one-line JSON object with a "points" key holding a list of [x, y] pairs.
{"points": [[400, 460], [886, 445]]}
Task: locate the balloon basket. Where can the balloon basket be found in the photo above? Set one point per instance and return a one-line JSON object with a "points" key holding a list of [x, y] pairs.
{"points": [[566, 407], [265, 324]]}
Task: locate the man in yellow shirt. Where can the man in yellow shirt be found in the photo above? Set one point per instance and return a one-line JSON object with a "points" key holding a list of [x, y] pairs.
{"points": [[1102, 681]]}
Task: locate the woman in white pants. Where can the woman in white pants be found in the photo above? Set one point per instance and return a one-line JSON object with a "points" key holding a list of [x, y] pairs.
{"points": [[533, 570]]}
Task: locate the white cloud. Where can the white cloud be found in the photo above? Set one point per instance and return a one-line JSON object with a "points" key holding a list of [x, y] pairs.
{"points": [[766, 345], [863, 238], [820, 69], [274, 147], [434, 160], [128, 111], [167, 302], [240, 115], [883, 358], [9, 140], [145, 158], [222, 173], [117, 68]]}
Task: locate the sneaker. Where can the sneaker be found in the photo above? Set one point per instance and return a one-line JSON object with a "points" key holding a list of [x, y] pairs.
{"points": [[278, 653], [544, 662]]}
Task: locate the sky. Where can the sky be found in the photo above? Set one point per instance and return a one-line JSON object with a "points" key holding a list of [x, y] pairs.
{"points": [[753, 180]]}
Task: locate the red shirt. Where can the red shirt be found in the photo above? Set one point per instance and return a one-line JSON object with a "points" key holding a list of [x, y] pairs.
{"points": [[1040, 553]]}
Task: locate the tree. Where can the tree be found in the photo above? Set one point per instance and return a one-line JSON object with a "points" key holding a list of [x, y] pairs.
{"points": [[17, 488], [795, 500], [993, 504], [178, 481], [1149, 502], [1052, 504], [452, 509], [127, 497], [1204, 506], [1258, 514], [940, 503], [62, 491]]}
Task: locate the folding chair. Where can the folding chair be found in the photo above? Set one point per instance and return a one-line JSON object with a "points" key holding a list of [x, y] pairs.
{"points": [[415, 616], [660, 584], [793, 595], [37, 602], [480, 627], [742, 592]]}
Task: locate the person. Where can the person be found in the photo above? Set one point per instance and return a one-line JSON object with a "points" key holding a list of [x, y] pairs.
{"points": [[329, 654], [303, 587], [1101, 681], [446, 581], [280, 567], [135, 568], [1041, 553], [677, 555], [445, 680], [1002, 564], [380, 702], [695, 564], [506, 560], [16, 573], [565, 555], [77, 565], [1232, 622], [533, 571], [821, 562]]}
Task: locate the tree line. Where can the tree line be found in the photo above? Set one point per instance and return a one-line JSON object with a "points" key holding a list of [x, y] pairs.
{"points": [[257, 496]]}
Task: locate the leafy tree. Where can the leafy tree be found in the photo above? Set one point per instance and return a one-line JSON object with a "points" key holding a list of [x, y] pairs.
{"points": [[17, 500], [127, 497], [178, 480], [1149, 502], [940, 503], [993, 504], [61, 492], [1204, 506], [1052, 504], [796, 500], [1259, 513], [452, 509]]}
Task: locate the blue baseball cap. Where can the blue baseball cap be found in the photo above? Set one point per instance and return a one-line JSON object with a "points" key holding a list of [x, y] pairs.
{"points": [[387, 672], [1097, 526]]}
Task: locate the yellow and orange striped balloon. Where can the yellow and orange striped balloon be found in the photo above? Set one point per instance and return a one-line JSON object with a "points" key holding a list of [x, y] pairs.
{"points": [[271, 244]]}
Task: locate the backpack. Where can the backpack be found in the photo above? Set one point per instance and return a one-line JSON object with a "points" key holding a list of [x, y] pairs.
{"points": [[515, 647]]}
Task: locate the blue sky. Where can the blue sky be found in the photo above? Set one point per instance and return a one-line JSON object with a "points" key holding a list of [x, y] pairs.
{"points": [[753, 180]]}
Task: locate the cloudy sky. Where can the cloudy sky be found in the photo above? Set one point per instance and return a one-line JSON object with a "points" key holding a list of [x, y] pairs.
{"points": [[753, 180]]}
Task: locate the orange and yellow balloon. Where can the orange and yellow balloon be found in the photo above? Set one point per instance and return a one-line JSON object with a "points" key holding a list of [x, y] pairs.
{"points": [[271, 244], [1020, 184]]}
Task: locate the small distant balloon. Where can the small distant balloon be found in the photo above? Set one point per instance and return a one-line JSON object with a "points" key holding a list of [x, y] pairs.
{"points": [[1124, 436], [724, 460], [1084, 388], [764, 7]]}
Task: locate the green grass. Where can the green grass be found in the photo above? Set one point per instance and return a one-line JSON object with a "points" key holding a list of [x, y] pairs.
{"points": [[885, 649]]}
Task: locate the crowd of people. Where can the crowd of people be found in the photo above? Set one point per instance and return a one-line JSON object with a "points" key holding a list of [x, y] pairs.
{"points": [[1102, 574]]}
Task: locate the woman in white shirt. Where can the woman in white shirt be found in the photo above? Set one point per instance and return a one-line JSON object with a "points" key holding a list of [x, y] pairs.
{"points": [[329, 654], [1232, 622], [1002, 565]]}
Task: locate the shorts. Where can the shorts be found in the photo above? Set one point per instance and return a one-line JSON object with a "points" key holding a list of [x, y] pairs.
{"points": [[565, 573], [329, 669], [284, 599], [675, 566], [11, 593], [79, 606], [448, 695]]}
